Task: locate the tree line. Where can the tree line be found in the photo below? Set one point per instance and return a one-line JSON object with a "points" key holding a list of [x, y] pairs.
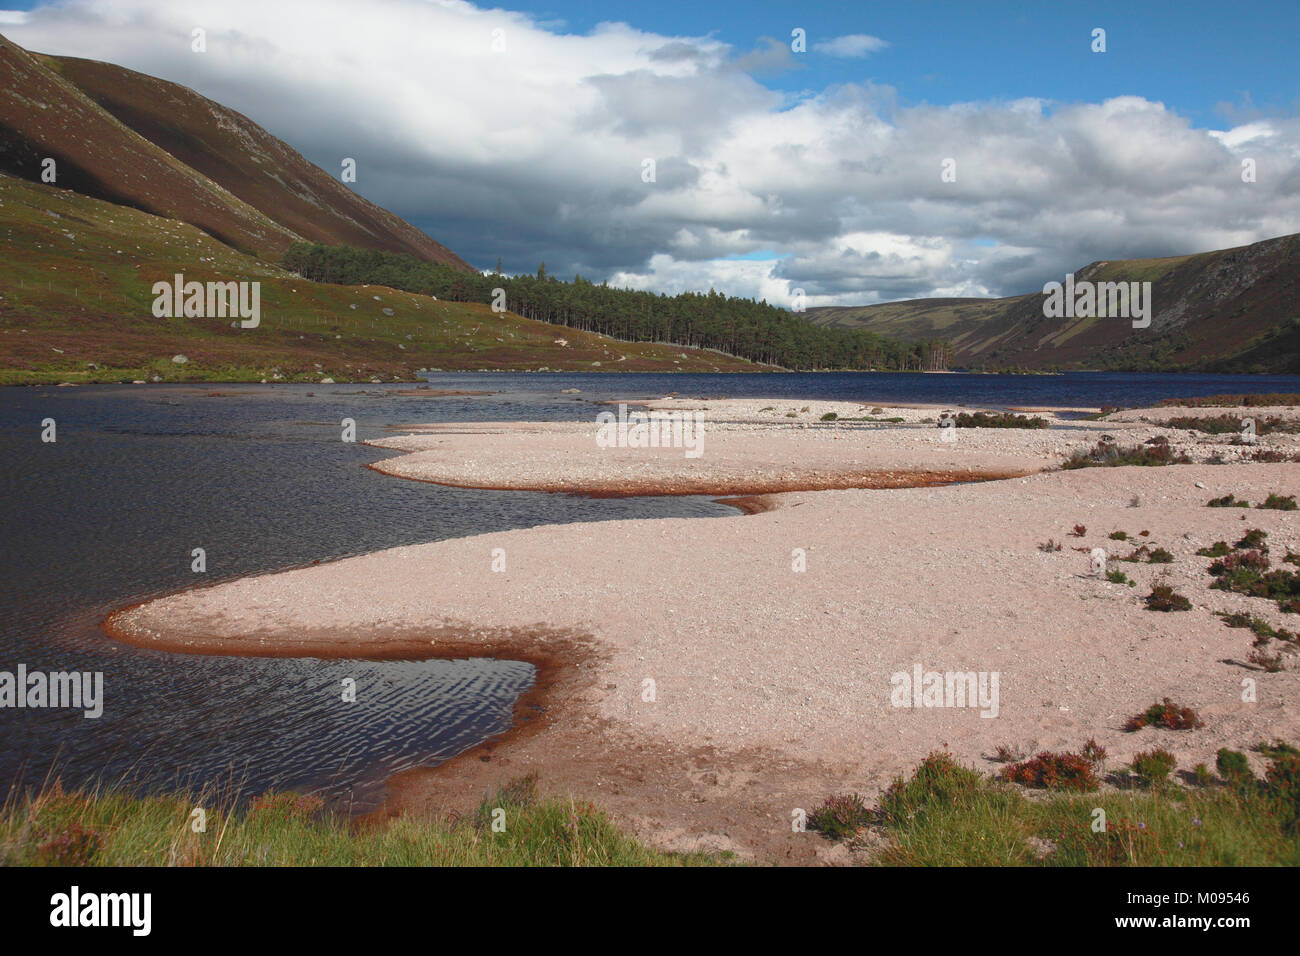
{"points": [[743, 327]]}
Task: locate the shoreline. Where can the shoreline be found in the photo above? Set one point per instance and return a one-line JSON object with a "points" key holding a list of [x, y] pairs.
{"points": [[694, 770]]}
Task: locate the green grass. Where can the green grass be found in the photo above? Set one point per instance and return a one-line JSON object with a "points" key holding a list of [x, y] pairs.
{"points": [[105, 828], [959, 818], [998, 826]]}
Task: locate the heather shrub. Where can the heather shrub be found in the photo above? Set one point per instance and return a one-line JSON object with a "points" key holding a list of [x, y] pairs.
{"points": [[1227, 501], [1166, 715], [839, 816], [71, 845], [1053, 771], [1279, 502], [1108, 455], [1165, 598]]}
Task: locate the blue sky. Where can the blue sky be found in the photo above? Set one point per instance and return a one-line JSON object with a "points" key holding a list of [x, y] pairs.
{"points": [[776, 171], [1191, 55]]}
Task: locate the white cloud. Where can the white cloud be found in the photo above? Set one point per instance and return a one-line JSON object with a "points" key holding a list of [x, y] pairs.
{"points": [[536, 152], [1245, 133], [851, 45]]}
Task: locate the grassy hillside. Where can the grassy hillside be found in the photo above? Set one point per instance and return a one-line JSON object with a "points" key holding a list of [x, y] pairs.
{"points": [[76, 306], [242, 157], [43, 116], [1230, 310]]}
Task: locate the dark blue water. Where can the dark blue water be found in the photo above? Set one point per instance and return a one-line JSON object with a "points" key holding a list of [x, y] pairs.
{"points": [[258, 478], [1091, 389]]}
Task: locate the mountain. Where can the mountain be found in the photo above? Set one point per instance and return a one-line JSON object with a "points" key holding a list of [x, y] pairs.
{"points": [[1233, 310], [138, 141], [236, 153], [154, 180]]}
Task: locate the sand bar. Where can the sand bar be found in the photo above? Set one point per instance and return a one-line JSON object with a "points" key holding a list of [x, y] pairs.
{"points": [[772, 686]]}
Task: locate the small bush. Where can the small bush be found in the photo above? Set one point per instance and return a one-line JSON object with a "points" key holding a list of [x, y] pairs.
{"points": [[71, 845], [839, 816], [1005, 754], [1269, 663], [830, 417], [1165, 598], [1079, 530], [1108, 455], [1160, 556], [1278, 748], [1282, 783], [1216, 550], [1053, 771], [1227, 501], [997, 420], [1233, 766], [1154, 766], [1272, 455], [1279, 502], [1118, 536], [1166, 715], [1237, 619], [1049, 545], [1252, 563], [1216, 425], [1254, 540], [938, 781]]}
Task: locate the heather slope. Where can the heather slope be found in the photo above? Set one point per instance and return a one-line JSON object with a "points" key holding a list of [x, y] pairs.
{"points": [[1231, 310], [44, 116], [76, 305], [239, 155]]}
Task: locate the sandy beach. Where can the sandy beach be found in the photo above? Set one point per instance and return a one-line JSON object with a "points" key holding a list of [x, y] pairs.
{"points": [[704, 678]]}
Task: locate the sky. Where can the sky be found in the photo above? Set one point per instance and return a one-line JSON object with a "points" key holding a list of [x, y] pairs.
{"points": [[860, 153]]}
